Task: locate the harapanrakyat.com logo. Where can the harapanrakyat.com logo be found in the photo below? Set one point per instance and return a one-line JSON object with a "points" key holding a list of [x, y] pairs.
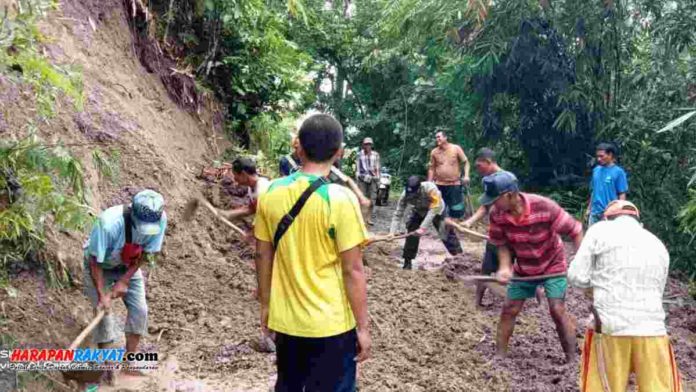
{"points": [[90, 359]]}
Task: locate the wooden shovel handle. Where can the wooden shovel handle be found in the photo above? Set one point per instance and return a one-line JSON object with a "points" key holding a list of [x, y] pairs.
{"points": [[221, 218], [464, 230], [489, 278], [78, 340], [388, 238]]}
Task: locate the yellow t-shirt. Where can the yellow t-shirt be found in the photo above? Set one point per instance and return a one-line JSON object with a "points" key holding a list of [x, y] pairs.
{"points": [[308, 297]]}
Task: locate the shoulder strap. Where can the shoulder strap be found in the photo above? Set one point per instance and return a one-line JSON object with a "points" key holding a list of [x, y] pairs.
{"points": [[128, 224], [287, 220]]}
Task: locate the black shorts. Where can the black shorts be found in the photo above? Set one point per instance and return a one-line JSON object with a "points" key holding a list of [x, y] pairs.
{"points": [[490, 260], [454, 200], [316, 364]]}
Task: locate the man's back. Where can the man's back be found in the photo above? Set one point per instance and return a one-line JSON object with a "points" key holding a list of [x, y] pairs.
{"points": [[628, 270], [307, 292]]}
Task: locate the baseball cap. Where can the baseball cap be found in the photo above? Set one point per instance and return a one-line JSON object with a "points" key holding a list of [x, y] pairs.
{"points": [[621, 207], [147, 208], [413, 184], [368, 140], [497, 184]]}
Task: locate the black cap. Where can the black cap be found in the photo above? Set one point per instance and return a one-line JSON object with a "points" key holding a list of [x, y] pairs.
{"points": [[497, 184], [413, 184]]}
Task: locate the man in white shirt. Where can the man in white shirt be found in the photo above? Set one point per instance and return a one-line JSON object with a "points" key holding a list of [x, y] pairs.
{"points": [[244, 171], [625, 267]]}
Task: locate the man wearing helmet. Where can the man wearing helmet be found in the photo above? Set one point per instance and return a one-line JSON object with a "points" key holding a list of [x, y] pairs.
{"points": [[428, 207], [625, 267], [123, 237]]}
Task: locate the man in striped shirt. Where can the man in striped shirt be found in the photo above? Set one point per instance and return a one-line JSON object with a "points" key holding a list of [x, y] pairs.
{"points": [[626, 268], [530, 226]]}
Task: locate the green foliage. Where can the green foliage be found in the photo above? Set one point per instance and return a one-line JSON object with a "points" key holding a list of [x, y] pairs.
{"points": [[37, 183], [20, 55], [107, 164], [242, 52]]}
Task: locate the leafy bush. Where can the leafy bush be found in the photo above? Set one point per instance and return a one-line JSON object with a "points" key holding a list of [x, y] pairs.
{"points": [[20, 56], [38, 184]]}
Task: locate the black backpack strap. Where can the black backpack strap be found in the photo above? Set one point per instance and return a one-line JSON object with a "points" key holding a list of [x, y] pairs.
{"points": [[128, 224], [287, 220]]}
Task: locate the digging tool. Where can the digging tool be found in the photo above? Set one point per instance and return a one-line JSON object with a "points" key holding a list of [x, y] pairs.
{"points": [[469, 205], [192, 206], [491, 278], [85, 376], [462, 229], [387, 238]]}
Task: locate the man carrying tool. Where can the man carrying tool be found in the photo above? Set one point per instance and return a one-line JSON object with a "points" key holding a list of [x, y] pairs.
{"points": [[625, 267], [290, 163], [609, 182], [121, 240], [244, 172], [445, 170], [336, 176], [312, 286], [485, 165], [368, 172], [428, 207], [530, 226]]}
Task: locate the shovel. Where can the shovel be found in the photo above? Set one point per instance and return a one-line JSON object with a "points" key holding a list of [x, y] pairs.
{"points": [[387, 238], [462, 229], [85, 376], [491, 278], [192, 206]]}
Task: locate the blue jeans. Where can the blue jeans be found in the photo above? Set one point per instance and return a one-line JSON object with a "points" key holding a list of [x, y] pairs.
{"points": [[316, 364], [136, 321]]}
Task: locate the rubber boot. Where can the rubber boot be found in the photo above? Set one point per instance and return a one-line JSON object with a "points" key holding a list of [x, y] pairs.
{"points": [[407, 264]]}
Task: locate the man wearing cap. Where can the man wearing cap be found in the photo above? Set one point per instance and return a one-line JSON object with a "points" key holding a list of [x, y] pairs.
{"points": [[123, 237], [486, 165], [428, 207], [625, 267], [530, 226], [368, 175], [445, 170]]}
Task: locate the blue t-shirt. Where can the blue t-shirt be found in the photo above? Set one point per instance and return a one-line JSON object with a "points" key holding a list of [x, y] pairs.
{"points": [[607, 183], [108, 238]]}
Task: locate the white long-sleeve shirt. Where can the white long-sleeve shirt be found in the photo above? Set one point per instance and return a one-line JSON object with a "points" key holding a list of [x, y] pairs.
{"points": [[627, 267]]}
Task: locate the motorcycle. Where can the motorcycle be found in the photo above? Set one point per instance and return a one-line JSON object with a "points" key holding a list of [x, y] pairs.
{"points": [[383, 188]]}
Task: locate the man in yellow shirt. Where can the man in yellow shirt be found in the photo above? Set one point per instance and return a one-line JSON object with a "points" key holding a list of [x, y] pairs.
{"points": [[309, 267]]}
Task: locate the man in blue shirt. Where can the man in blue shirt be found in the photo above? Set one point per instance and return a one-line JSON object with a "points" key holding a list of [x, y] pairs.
{"points": [[122, 238], [609, 182]]}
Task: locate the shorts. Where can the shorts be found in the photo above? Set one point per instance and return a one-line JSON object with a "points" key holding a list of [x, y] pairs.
{"points": [[555, 288], [316, 364], [651, 358], [454, 200], [490, 260], [136, 320]]}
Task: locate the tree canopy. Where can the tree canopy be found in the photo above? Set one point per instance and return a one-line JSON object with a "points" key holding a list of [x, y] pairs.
{"points": [[540, 81]]}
